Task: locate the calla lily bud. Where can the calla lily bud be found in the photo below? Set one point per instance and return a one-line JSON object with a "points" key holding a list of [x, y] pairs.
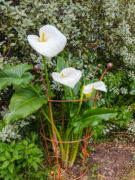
{"points": [[99, 65], [109, 65], [36, 67]]}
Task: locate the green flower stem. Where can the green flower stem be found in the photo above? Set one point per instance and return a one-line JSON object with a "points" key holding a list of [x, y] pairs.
{"points": [[67, 153], [80, 104], [71, 93], [68, 132], [49, 92], [46, 75], [74, 150], [51, 137], [57, 133], [67, 146]]}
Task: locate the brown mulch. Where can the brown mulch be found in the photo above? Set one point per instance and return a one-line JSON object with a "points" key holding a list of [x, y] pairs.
{"points": [[106, 161], [114, 161]]}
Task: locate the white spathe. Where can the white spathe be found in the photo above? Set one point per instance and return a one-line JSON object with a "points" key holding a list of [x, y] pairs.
{"points": [[50, 41], [100, 86], [68, 76]]}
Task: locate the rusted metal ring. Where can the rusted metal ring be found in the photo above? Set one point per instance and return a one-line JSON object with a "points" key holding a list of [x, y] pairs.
{"points": [[76, 100], [68, 142]]}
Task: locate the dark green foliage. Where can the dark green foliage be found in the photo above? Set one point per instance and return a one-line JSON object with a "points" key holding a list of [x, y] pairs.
{"points": [[24, 102], [21, 160], [92, 118], [105, 28], [15, 75]]}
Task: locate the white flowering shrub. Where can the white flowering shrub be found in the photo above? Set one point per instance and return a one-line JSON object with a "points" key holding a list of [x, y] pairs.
{"points": [[121, 41], [12, 131], [117, 90], [104, 27], [131, 126], [9, 132]]}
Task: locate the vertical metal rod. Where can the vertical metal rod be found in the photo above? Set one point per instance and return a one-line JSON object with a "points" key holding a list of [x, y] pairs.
{"points": [[85, 149], [52, 123], [42, 126], [56, 151]]}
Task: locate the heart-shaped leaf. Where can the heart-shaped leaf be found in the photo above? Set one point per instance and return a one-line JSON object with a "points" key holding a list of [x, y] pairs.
{"points": [[24, 102], [92, 117], [15, 75]]}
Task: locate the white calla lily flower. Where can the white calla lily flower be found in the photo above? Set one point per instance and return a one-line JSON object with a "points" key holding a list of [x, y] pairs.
{"points": [[50, 41], [100, 86], [68, 76]]}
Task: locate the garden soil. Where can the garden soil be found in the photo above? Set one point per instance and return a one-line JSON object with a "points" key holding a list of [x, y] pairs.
{"points": [[107, 161], [112, 161]]}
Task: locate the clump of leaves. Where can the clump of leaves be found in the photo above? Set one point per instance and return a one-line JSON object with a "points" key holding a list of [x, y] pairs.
{"points": [[21, 160]]}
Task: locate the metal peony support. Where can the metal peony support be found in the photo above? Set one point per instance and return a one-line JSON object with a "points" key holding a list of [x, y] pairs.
{"points": [[88, 132]]}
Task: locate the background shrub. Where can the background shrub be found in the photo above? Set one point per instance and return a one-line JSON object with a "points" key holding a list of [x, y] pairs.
{"points": [[105, 28]]}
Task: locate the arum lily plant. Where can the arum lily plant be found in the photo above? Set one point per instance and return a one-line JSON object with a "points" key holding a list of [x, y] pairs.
{"points": [[31, 98]]}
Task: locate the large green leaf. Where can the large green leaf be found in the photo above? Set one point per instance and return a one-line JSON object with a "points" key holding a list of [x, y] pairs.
{"points": [[24, 102], [92, 117], [15, 75], [95, 111]]}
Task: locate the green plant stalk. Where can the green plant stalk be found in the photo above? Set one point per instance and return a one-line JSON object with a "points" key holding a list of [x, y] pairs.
{"points": [[74, 151], [68, 133], [57, 133], [67, 153], [71, 93], [46, 75], [51, 137], [67, 146], [49, 92], [80, 104]]}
